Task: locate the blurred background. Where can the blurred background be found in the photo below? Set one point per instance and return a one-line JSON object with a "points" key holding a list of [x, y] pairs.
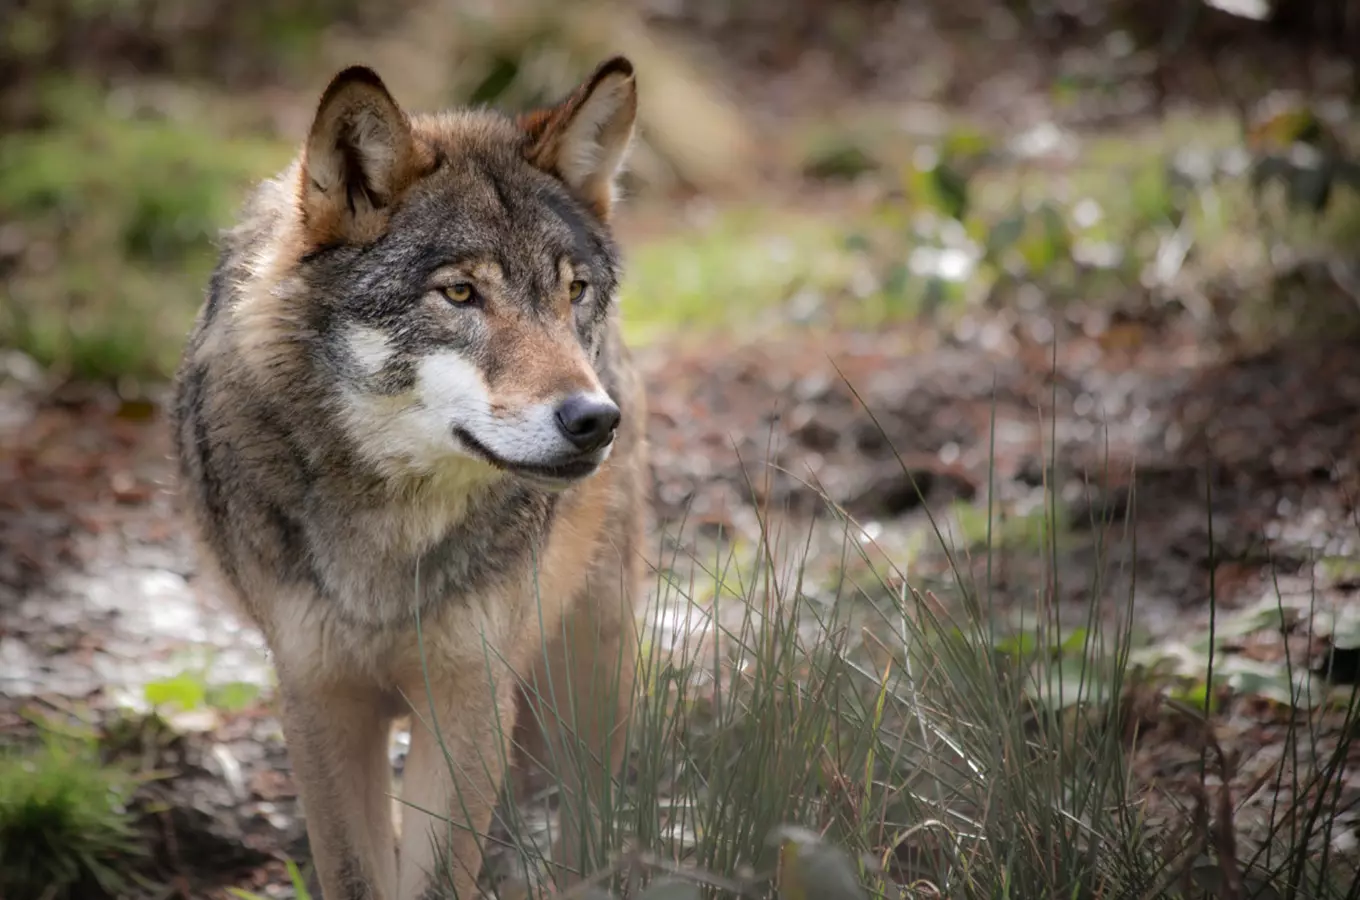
{"points": [[804, 163], [1020, 253]]}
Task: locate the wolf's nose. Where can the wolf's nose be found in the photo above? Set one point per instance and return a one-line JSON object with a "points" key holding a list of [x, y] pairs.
{"points": [[587, 422]]}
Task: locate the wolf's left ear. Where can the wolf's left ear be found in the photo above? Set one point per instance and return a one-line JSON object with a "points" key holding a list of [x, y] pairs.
{"points": [[360, 156], [585, 139]]}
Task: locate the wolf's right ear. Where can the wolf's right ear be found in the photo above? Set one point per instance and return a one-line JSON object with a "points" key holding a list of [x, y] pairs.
{"points": [[360, 156]]}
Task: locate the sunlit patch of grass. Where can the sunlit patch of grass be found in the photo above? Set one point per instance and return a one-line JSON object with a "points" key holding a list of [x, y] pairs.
{"points": [[116, 213], [744, 266]]}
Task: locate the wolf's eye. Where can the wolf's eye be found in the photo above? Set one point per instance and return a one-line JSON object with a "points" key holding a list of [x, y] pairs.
{"points": [[459, 293], [577, 291]]}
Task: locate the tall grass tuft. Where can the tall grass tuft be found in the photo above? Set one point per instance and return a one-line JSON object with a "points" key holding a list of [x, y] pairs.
{"points": [[878, 741]]}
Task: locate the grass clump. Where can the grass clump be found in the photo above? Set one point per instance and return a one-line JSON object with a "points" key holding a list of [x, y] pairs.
{"points": [[65, 828], [943, 755]]}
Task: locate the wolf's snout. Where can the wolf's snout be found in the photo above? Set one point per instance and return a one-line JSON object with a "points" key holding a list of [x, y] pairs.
{"points": [[587, 422]]}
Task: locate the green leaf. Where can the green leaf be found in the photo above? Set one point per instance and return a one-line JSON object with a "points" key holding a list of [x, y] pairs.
{"points": [[1271, 681], [950, 188], [1045, 240], [1194, 695], [1076, 640], [299, 884], [1021, 644], [232, 696], [185, 691]]}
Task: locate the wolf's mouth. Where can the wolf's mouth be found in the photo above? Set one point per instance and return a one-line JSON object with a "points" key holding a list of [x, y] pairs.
{"points": [[571, 469]]}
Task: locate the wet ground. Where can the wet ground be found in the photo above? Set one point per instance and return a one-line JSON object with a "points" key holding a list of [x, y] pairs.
{"points": [[1140, 436]]}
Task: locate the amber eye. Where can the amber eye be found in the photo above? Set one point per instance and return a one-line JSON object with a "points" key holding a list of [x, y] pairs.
{"points": [[578, 290], [461, 292]]}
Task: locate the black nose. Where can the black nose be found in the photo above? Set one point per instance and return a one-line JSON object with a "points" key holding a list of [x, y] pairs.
{"points": [[588, 423]]}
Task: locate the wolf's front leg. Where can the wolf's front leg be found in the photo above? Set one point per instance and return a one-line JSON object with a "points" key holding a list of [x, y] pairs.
{"points": [[337, 742], [575, 710], [460, 738]]}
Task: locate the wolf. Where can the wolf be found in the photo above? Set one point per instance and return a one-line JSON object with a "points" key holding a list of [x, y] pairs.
{"points": [[409, 439]]}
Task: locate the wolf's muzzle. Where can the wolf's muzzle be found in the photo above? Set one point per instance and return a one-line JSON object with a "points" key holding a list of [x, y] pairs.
{"points": [[587, 422]]}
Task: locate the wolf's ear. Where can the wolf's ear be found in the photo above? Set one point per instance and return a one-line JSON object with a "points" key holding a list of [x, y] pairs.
{"points": [[585, 139], [360, 155]]}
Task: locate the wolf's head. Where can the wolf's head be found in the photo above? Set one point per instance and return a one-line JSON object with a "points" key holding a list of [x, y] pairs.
{"points": [[456, 275]]}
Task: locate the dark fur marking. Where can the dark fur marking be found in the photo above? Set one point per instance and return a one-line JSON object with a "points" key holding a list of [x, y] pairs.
{"points": [[352, 75], [293, 546], [584, 244], [272, 423], [502, 195], [352, 880], [214, 499], [217, 289], [188, 406], [470, 557], [320, 252], [616, 65], [355, 180]]}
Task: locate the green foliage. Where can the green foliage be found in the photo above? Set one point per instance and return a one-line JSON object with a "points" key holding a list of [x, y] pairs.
{"points": [[839, 159], [1301, 153], [182, 37], [65, 830], [743, 265], [190, 690], [127, 207]]}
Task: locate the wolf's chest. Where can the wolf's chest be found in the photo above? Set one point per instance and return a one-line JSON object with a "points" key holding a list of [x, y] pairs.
{"points": [[379, 574]]}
